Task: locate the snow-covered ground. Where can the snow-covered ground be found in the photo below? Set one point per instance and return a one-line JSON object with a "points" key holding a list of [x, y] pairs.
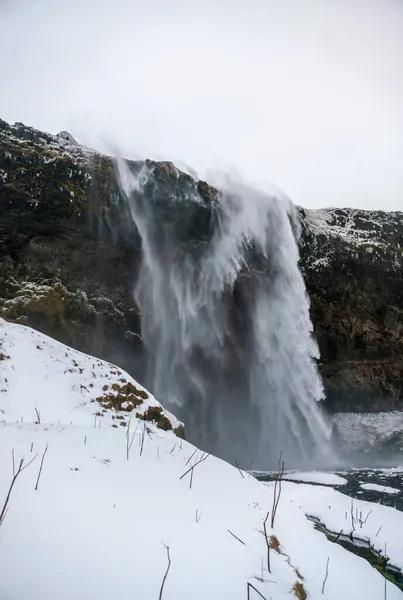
{"points": [[315, 477], [383, 489], [378, 524], [43, 380], [111, 499]]}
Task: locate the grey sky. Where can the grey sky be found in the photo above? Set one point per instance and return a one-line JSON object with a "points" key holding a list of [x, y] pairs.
{"points": [[303, 94]]}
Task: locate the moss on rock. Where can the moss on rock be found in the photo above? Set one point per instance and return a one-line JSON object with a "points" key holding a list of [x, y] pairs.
{"points": [[155, 415]]}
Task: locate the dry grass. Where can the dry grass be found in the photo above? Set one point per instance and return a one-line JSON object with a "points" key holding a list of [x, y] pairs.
{"points": [[274, 543], [299, 591]]}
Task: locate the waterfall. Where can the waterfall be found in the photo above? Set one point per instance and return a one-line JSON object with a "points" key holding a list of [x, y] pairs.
{"points": [[225, 317]]}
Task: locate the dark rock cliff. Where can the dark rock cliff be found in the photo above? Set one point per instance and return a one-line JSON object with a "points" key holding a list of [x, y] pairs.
{"points": [[352, 261], [69, 255]]}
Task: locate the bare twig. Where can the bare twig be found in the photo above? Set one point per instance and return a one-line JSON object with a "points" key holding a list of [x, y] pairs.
{"points": [[237, 466], [166, 572], [337, 536], [40, 468], [133, 436], [249, 586], [16, 473], [129, 442], [366, 518], [267, 542], [142, 438], [198, 516], [327, 573], [378, 531], [277, 490], [236, 537], [38, 417], [204, 456], [190, 457], [352, 515]]}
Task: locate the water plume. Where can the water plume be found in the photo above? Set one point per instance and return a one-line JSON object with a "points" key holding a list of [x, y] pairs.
{"points": [[225, 316]]}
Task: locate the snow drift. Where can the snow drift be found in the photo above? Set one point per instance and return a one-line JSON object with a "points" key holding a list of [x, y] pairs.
{"points": [[111, 499]]}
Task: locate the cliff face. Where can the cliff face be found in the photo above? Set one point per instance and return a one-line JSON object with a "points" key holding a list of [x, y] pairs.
{"points": [[69, 255], [62, 269], [352, 261]]}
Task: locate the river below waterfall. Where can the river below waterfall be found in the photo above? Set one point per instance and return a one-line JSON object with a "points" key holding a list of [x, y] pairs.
{"points": [[378, 483], [373, 492]]}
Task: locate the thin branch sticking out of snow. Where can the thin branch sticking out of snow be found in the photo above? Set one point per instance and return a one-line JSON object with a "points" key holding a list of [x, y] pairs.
{"points": [[166, 573], [267, 542], [204, 456], [236, 537], [325, 579], [40, 468], [277, 490], [16, 473], [250, 587], [237, 466]]}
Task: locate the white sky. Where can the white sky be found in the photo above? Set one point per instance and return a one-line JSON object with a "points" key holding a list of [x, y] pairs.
{"points": [[303, 94]]}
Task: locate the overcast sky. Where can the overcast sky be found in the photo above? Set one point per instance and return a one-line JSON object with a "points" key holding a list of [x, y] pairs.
{"points": [[303, 94]]}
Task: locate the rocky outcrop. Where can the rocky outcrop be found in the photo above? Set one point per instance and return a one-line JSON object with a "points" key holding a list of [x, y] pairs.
{"points": [[352, 261], [69, 252], [69, 255], [63, 269]]}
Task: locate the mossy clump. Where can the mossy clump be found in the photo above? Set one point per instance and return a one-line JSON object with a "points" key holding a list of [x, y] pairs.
{"points": [[124, 397], [180, 432], [299, 591], [274, 543], [154, 414]]}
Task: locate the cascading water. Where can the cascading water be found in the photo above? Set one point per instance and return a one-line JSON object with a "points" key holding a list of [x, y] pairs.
{"points": [[225, 318]]}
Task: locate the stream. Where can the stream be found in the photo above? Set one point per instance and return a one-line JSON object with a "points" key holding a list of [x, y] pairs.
{"points": [[363, 549], [388, 484]]}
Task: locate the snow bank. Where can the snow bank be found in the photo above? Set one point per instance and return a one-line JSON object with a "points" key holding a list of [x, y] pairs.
{"points": [[111, 499], [315, 477], [378, 524], [383, 489], [42, 379]]}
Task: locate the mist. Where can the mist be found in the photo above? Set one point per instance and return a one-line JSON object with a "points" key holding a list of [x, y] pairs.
{"points": [[299, 94]]}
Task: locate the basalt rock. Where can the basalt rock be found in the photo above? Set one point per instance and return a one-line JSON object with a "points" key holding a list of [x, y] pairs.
{"points": [[70, 254], [352, 261], [63, 268]]}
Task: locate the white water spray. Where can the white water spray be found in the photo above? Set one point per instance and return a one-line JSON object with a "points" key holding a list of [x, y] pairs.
{"points": [[225, 320]]}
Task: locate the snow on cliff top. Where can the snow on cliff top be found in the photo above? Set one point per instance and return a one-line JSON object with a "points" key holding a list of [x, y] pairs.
{"points": [[355, 226], [111, 499], [21, 136]]}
